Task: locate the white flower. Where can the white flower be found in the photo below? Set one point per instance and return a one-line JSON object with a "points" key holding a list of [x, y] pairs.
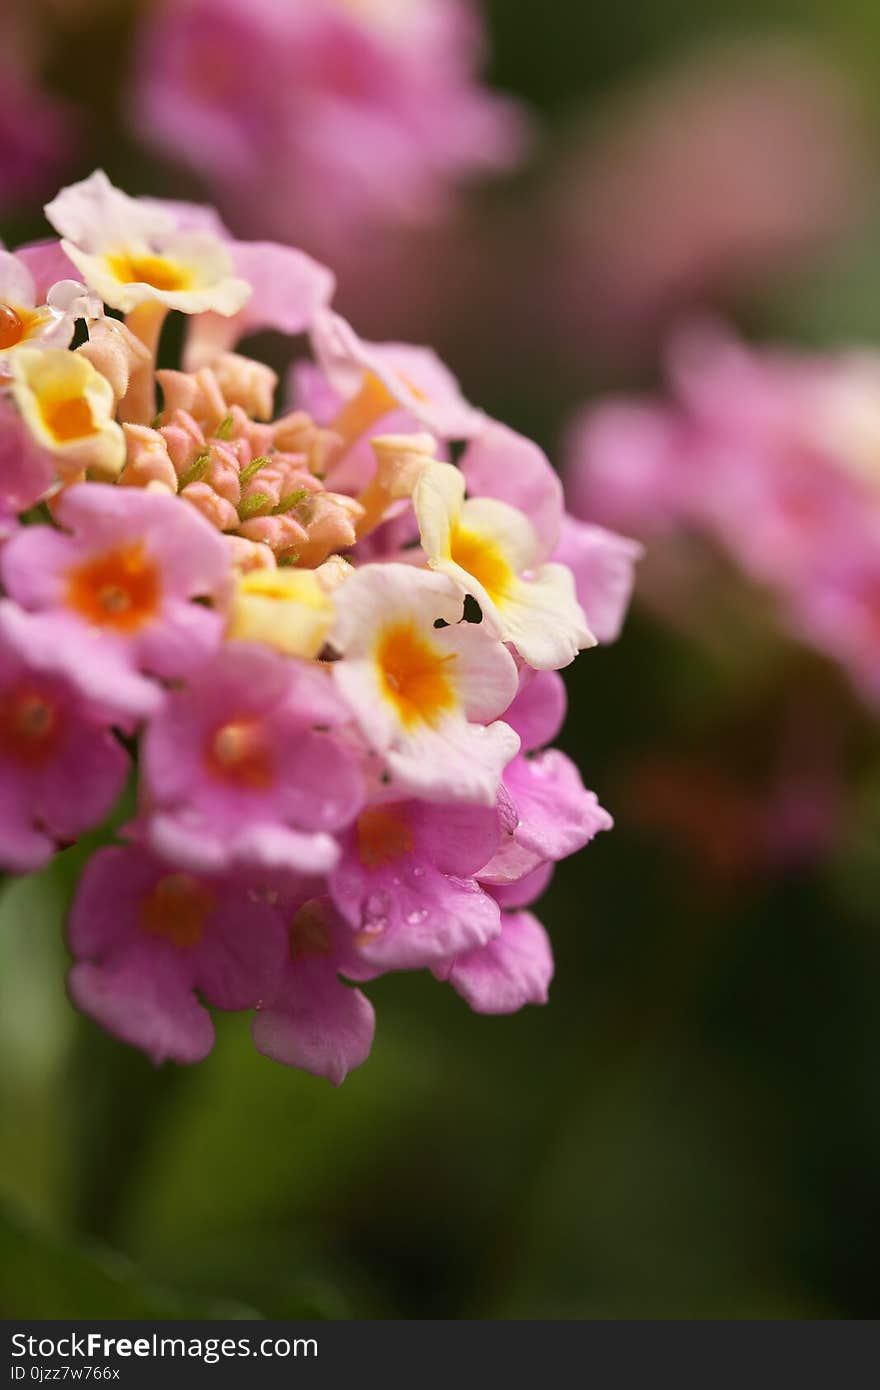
{"points": [[424, 695], [492, 551], [129, 251]]}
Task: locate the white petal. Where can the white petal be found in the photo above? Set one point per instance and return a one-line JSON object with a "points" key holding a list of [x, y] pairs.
{"points": [[485, 673], [16, 282], [544, 620]]}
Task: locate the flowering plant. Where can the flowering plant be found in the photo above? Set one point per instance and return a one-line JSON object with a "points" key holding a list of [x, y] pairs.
{"points": [[359, 116], [770, 454], [329, 651]]}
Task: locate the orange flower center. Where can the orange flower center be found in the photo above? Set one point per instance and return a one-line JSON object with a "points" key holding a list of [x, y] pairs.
{"points": [[11, 327], [118, 590], [414, 675], [237, 753], [308, 934], [29, 725], [177, 910], [156, 271], [382, 836], [68, 419]]}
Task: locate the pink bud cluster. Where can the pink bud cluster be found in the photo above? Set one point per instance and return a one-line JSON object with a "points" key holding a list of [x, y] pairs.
{"points": [[258, 617]]}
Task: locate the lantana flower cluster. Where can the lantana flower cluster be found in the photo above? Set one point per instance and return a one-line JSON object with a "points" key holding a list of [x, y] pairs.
{"points": [[359, 114], [775, 457], [326, 652]]}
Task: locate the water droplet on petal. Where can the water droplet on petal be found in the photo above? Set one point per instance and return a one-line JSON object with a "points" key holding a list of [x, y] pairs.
{"points": [[375, 914]]}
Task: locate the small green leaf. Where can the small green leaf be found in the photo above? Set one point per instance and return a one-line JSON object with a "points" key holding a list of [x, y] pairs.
{"points": [[250, 506], [196, 471], [292, 500], [253, 468]]}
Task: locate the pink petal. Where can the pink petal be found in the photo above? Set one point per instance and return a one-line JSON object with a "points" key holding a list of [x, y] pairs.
{"points": [[145, 1005], [287, 289], [603, 565], [505, 465], [316, 1023], [514, 969], [538, 711], [558, 816]]}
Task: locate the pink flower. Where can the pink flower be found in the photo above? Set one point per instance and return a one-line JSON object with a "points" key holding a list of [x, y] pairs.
{"points": [[119, 584], [61, 769], [744, 161], [354, 116], [405, 882], [287, 290], [339, 765], [554, 815], [771, 455], [244, 766], [312, 1020], [512, 970], [35, 137], [504, 465], [603, 564], [837, 610], [146, 937], [375, 379], [26, 471], [47, 264], [631, 463]]}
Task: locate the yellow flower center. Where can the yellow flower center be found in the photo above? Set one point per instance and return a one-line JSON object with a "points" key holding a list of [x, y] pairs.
{"points": [[414, 675], [177, 910], [382, 836], [483, 559], [156, 271], [67, 418]]}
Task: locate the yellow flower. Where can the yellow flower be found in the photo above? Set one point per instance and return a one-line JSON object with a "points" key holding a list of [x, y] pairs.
{"points": [[68, 407], [287, 609]]}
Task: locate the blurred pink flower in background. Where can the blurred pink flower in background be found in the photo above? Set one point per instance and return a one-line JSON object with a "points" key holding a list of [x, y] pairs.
{"points": [[38, 130], [357, 116], [728, 169], [36, 136], [776, 458]]}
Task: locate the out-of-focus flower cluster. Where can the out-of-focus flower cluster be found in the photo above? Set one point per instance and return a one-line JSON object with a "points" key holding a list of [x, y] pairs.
{"points": [[329, 652], [773, 455], [38, 131], [357, 115]]}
